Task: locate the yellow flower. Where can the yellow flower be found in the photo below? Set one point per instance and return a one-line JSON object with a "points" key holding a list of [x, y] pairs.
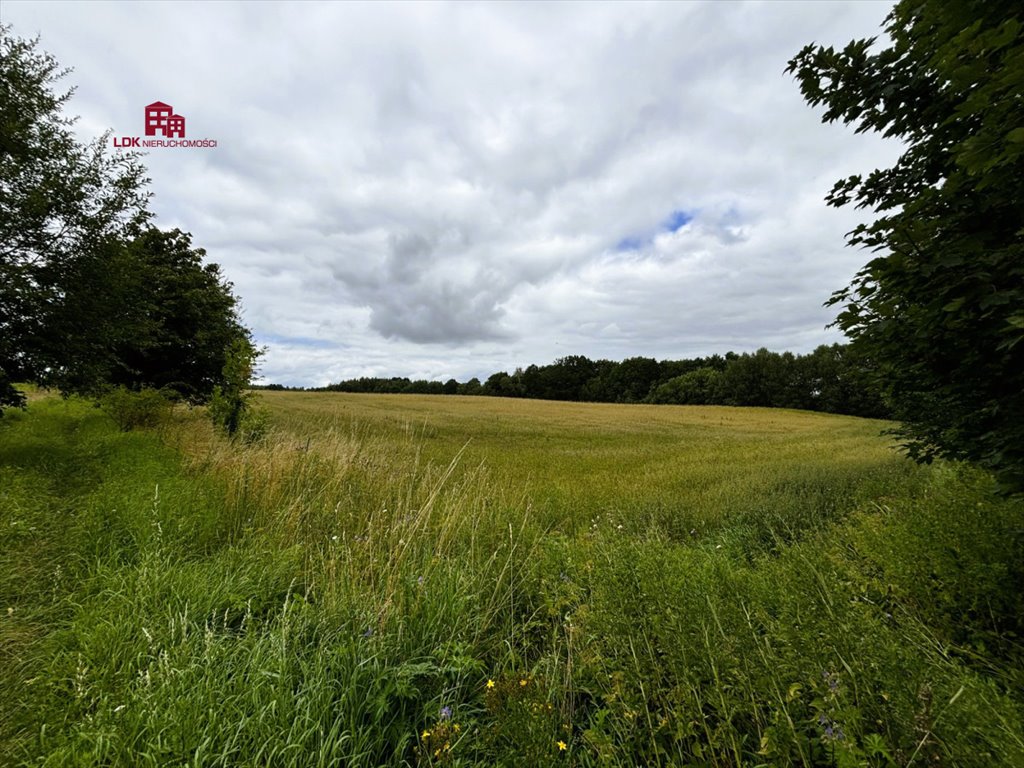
{"points": [[523, 682], [456, 727], [490, 683], [425, 735], [562, 746]]}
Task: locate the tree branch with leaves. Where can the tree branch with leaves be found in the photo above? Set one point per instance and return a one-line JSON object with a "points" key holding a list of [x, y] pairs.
{"points": [[940, 308]]}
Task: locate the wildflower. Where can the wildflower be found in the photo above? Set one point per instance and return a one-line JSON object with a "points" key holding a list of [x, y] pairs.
{"points": [[425, 735], [419, 580], [490, 683], [562, 746], [446, 713], [522, 683], [831, 679], [456, 728], [368, 632]]}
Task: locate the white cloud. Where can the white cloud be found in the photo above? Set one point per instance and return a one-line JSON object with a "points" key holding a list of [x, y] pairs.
{"points": [[440, 189]]}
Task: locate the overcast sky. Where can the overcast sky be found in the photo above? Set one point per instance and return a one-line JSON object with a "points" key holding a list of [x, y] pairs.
{"points": [[449, 190]]}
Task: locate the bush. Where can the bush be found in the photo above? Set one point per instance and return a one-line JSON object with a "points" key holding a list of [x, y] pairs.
{"points": [[136, 408], [231, 407]]}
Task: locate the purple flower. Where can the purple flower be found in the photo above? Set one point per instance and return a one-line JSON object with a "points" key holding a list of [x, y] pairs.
{"points": [[831, 679], [446, 713]]}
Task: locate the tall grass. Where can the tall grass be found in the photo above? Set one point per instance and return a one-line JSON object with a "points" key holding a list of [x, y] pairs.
{"points": [[401, 581]]}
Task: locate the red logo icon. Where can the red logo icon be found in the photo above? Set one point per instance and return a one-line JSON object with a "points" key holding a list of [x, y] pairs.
{"points": [[160, 119], [169, 129]]}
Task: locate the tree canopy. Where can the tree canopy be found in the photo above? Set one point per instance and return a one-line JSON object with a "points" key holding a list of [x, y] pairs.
{"points": [[60, 202], [940, 309], [92, 295]]}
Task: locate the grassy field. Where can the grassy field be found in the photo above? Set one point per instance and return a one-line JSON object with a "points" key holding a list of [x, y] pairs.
{"points": [[670, 468], [401, 580]]}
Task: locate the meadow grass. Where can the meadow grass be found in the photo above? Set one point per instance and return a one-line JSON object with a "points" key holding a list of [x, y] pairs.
{"points": [[402, 580]]}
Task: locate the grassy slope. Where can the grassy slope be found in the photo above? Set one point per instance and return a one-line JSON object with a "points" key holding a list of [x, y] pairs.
{"points": [[645, 585]]}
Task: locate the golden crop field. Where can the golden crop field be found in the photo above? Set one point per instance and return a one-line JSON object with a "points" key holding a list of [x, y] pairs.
{"points": [[668, 465]]}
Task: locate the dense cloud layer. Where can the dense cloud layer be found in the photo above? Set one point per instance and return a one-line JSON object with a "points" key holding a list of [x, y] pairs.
{"points": [[449, 190]]}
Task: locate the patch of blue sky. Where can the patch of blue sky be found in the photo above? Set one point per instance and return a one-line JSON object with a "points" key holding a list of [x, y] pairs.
{"points": [[675, 221], [632, 243]]}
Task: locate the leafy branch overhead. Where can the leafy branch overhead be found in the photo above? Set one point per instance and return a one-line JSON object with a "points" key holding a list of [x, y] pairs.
{"points": [[940, 307]]}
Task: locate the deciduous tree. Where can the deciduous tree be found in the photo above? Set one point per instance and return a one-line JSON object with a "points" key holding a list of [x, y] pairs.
{"points": [[91, 296], [61, 201], [940, 309]]}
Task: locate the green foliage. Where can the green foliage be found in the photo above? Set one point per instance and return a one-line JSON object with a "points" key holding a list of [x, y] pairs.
{"points": [[90, 295], [231, 407], [939, 311], [185, 319], [60, 203], [952, 558], [10, 396], [832, 379], [147, 313], [698, 387], [471, 387], [131, 409], [761, 379]]}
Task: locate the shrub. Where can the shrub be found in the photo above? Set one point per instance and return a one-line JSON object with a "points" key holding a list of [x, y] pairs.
{"points": [[231, 405], [136, 408]]}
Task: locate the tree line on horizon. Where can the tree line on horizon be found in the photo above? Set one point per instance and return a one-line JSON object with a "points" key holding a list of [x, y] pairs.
{"points": [[831, 379]]}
